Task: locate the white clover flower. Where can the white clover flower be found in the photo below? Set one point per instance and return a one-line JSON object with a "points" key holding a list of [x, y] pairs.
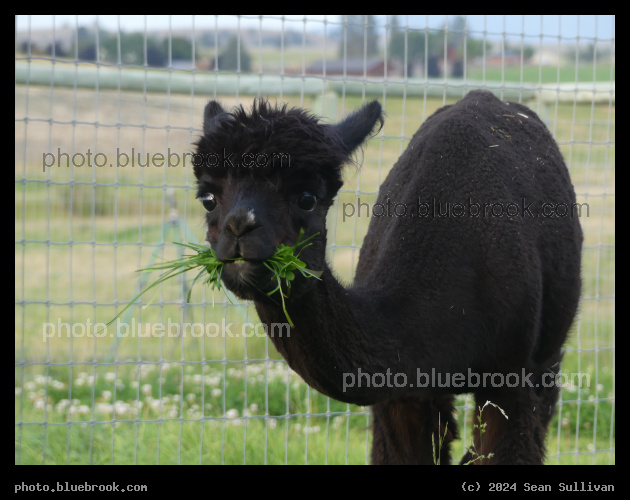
{"points": [[57, 384], [273, 423], [107, 395], [212, 381], [232, 413], [215, 393], [337, 421], [190, 398], [80, 409], [121, 408], [110, 377], [253, 408], [146, 389], [193, 413], [235, 373], [104, 408], [62, 406]]}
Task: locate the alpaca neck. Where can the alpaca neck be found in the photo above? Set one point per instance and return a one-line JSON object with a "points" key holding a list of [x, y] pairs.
{"points": [[338, 334]]}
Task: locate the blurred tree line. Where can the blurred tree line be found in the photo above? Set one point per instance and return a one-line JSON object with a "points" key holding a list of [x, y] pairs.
{"points": [[428, 47], [129, 48], [137, 49], [422, 50]]}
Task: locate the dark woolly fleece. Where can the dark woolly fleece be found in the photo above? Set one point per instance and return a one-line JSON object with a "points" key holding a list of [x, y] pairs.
{"points": [[461, 272]]}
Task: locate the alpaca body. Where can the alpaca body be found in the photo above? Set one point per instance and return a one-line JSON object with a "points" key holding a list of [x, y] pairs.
{"points": [[461, 272]]}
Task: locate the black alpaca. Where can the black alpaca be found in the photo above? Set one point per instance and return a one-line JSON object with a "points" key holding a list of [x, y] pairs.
{"points": [[460, 273]]}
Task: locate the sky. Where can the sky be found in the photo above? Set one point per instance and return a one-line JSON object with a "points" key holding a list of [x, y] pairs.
{"points": [[586, 27]]}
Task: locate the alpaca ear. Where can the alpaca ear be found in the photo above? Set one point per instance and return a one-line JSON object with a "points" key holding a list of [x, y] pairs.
{"points": [[210, 116], [356, 128]]}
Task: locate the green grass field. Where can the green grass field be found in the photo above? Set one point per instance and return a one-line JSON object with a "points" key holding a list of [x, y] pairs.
{"points": [[81, 233], [546, 74], [259, 414]]}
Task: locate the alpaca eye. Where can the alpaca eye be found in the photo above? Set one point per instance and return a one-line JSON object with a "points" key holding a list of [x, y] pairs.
{"points": [[209, 202], [307, 201]]}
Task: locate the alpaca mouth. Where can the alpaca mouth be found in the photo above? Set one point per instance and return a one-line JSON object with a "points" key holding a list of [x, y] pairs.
{"points": [[247, 279], [242, 265], [238, 262]]}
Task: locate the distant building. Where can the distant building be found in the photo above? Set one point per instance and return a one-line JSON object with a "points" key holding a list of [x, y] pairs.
{"points": [[546, 57], [182, 64], [509, 58], [353, 67]]}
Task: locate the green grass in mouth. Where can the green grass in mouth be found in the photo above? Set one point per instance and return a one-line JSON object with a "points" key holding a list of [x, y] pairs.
{"points": [[284, 264]]}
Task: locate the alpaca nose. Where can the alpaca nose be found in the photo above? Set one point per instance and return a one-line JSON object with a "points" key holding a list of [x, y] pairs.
{"points": [[240, 221]]}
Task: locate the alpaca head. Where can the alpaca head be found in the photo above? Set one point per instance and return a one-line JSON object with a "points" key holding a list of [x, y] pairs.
{"points": [[264, 175]]}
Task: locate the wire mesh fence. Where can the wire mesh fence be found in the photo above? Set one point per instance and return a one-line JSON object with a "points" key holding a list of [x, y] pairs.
{"points": [[106, 111]]}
